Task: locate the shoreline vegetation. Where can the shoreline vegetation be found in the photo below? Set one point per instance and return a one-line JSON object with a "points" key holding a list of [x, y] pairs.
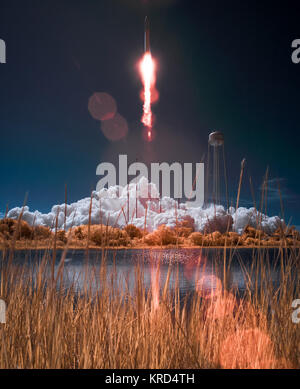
{"points": [[52, 325], [19, 235]]}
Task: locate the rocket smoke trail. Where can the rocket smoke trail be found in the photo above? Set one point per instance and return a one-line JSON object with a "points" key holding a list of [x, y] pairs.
{"points": [[147, 69]]}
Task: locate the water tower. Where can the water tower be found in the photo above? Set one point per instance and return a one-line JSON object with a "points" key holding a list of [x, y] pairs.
{"points": [[215, 168]]}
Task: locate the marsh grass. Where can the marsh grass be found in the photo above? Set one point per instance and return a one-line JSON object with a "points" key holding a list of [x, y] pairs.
{"points": [[51, 325]]}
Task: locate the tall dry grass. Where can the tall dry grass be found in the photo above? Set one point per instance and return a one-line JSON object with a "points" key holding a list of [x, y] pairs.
{"points": [[51, 325]]}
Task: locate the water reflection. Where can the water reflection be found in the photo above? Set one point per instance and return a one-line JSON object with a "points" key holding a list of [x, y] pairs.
{"points": [[205, 271]]}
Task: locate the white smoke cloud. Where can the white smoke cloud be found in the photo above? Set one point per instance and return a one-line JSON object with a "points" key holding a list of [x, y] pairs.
{"points": [[113, 206]]}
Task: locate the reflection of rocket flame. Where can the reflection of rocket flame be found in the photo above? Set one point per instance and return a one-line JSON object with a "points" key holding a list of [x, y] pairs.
{"points": [[155, 275], [147, 69]]}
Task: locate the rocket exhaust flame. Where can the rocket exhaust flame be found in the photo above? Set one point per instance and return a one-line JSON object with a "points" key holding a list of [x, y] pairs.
{"points": [[147, 70]]}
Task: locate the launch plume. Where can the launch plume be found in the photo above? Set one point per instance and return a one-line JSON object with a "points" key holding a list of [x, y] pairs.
{"points": [[110, 206], [148, 77]]}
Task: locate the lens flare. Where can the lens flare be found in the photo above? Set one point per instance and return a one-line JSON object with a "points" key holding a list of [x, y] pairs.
{"points": [[247, 349], [102, 106], [147, 70]]}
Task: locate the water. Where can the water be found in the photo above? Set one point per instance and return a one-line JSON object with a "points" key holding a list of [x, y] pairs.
{"points": [[191, 269]]}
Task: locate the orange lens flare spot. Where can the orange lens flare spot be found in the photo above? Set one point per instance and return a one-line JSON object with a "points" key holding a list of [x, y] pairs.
{"points": [[208, 285], [102, 106], [247, 349], [115, 129]]}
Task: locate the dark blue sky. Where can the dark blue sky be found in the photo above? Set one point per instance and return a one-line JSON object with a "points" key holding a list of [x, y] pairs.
{"points": [[222, 65]]}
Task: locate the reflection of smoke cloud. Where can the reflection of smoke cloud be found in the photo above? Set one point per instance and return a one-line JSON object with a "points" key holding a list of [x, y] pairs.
{"points": [[114, 205]]}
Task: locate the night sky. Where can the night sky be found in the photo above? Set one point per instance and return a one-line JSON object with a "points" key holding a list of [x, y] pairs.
{"points": [[221, 66]]}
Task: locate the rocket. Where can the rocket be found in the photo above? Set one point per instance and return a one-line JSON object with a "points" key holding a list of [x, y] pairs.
{"points": [[147, 35]]}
